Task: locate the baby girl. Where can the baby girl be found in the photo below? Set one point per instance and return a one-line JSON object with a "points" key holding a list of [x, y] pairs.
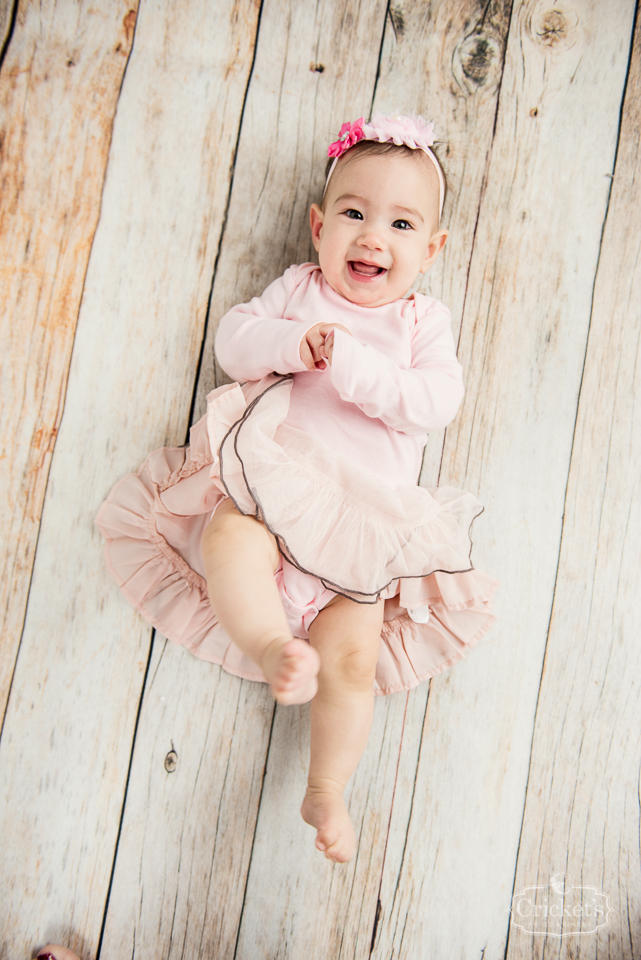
{"points": [[289, 542]]}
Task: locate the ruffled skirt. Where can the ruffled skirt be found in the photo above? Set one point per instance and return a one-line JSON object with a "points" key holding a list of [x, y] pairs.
{"points": [[339, 529]]}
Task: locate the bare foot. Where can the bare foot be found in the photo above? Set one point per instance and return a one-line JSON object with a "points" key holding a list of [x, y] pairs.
{"points": [[325, 809], [58, 953], [291, 668]]}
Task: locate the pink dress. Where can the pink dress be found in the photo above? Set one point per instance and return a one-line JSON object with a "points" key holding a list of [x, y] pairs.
{"points": [[329, 461]]}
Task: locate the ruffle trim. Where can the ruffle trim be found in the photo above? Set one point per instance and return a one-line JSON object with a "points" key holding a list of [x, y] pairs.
{"points": [[153, 522]]}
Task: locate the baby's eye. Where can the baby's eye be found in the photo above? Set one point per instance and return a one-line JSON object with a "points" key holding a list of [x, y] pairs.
{"points": [[353, 214], [402, 225]]}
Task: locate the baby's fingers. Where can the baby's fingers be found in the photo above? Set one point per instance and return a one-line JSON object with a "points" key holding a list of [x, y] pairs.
{"points": [[316, 344], [315, 340], [329, 343], [306, 355], [329, 347]]}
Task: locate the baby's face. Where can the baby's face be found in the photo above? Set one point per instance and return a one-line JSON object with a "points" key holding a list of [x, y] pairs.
{"points": [[379, 229]]}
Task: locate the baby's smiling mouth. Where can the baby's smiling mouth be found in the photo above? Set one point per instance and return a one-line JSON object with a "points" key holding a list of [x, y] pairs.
{"points": [[363, 270]]}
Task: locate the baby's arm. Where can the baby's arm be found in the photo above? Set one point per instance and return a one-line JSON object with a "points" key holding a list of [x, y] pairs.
{"points": [[415, 401], [254, 340]]}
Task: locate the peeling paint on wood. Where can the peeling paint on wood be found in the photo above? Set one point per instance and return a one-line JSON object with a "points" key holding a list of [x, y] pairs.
{"points": [[83, 651], [54, 143]]}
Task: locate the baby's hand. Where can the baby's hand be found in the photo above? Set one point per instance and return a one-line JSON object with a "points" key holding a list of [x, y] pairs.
{"points": [[317, 346]]}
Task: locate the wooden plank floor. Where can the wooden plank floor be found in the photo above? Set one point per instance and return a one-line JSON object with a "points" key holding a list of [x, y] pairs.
{"points": [[157, 161]]}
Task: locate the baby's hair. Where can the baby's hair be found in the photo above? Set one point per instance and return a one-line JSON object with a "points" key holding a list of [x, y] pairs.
{"points": [[379, 149]]}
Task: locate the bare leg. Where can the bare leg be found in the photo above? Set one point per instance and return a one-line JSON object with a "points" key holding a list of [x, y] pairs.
{"points": [[348, 637], [240, 557]]}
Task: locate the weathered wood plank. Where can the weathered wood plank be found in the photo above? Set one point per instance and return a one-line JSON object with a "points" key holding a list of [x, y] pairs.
{"points": [[315, 66], [586, 747], [54, 146], [312, 908], [6, 14], [190, 819], [68, 733], [524, 330], [290, 113], [446, 60], [282, 918]]}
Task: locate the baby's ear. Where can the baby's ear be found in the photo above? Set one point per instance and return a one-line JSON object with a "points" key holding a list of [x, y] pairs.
{"points": [[436, 244], [316, 216]]}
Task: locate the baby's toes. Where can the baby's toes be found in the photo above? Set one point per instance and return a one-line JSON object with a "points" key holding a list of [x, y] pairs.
{"points": [[300, 662], [295, 678], [328, 836], [341, 849]]}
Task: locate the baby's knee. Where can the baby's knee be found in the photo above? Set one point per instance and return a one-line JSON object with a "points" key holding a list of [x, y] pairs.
{"points": [[355, 666], [230, 528], [219, 529]]}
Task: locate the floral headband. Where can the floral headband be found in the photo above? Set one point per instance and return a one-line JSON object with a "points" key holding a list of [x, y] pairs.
{"points": [[413, 132]]}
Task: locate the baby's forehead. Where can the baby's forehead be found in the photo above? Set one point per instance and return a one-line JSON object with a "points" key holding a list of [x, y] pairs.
{"points": [[386, 176]]}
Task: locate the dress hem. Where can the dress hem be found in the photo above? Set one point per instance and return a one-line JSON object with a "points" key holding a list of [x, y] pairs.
{"points": [[260, 514]]}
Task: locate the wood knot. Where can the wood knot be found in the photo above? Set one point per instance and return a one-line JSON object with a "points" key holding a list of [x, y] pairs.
{"points": [[552, 28], [171, 761], [477, 59]]}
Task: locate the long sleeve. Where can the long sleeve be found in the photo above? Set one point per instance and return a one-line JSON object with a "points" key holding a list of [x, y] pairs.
{"points": [[254, 339], [414, 401]]}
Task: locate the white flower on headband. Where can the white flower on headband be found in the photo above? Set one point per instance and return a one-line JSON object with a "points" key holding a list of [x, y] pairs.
{"points": [[412, 131]]}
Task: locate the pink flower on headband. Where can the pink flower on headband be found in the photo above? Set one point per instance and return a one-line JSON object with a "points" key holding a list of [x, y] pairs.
{"points": [[350, 134]]}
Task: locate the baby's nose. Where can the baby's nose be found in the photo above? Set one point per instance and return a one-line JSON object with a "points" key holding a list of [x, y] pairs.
{"points": [[372, 239]]}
